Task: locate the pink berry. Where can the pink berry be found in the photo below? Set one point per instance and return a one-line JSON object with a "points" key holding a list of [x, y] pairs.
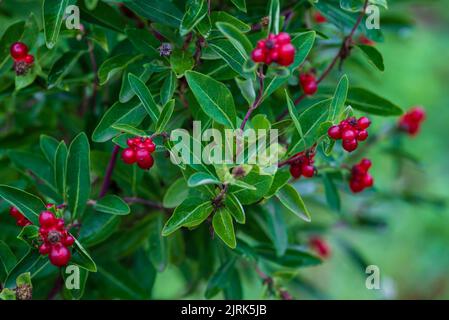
{"points": [[59, 255], [350, 145], [47, 219], [19, 50], [129, 156]]}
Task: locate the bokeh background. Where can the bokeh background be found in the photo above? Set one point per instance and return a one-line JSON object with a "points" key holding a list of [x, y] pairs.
{"points": [[408, 237]]}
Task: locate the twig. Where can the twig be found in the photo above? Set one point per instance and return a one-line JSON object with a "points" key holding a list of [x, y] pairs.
{"points": [[341, 55], [148, 203], [109, 171], [284, 294], [59, 282], [258, 99]]}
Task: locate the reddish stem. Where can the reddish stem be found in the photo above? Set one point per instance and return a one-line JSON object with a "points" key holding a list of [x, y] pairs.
{"points": [[109, 171]]}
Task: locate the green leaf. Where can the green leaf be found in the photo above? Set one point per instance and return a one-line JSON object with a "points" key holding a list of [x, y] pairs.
{"points": [[103, 15], [294, 257], [281, 178], [62, 67], [126, 128], [246, 87], [145, 97], [181, 61], [164, 12], [291, 111], [220, 279], [240, 4], [60, 165], [7, 257], [165, 117], [202, 178], [29, 234], [339, 99], [235, 208], [29, 205], [276, 226], [191, 212], [32, 262], [274, 11], [196, 11], [82, 258], [53, 14], [310, 121], [22, 81], [97, 227], [261, 183], [131, 113], [144, 42], [112, 204], [373, 55], [175, 194], [168, 88], [291, 199], [236, 37], [158, 245], [48, 146], [114, 65], [12, 34], [78, 175], [234, 58], [223, 227], [213, 97], [369, 102], [8, 294], [222, 16]]}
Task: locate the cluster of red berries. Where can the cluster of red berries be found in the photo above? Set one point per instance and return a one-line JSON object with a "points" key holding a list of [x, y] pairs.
{"points": [[140, 150], [360, 178], [21, 220], [320, 246], [308, 83], [22, 59], [277, 48], [319, 18], [55, 238], [411, 121], [302, 165], [351, 131]]}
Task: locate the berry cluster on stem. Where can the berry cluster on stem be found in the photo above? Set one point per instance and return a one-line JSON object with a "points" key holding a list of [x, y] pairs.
{"points": [[55, 238], [319, 18], [350, 131], [276, 48], [139, 150], [21, 220], [23, 61], [411, 121], [308, 83], [360, 178], [302, 165]]}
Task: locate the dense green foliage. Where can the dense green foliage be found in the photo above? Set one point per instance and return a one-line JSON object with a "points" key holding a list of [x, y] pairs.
{"points": [[202, 230]]}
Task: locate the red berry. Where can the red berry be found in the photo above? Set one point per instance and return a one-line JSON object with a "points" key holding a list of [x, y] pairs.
{"points": [[364, 40], [320, 246], [59, 224], [49, 205], [59, 255], [310, 88], [68, 241], [368, 180], [29, 59], [44, 249], [348, 134], [129, 156], [286, 54], [295, 171], [146, 162], [417, 114], [350, 145], [19, 50], [319, 18], [334, 132], [142, 154], [261, 44], [363, 123], [13, 211], [362, 135], [283, 38], [47, 219], [258, 55], [308, 171], [365, 164], [274, 55], [356, 186]]}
